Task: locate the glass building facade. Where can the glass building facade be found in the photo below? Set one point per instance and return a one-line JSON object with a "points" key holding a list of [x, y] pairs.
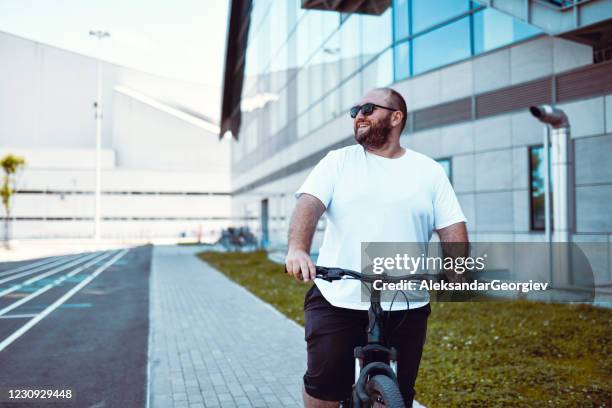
{"points": [[469, 74], [306, 67]]}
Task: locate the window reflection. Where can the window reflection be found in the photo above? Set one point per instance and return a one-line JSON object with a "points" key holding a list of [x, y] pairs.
{"points": [[400, 19], [537, 188], [443, 46], [351, 92], [376, 34], [402, 60], [493, 29], [350, 47], [426, 13], [331, 105], [379, 73], [318, 63], [446, 165]]}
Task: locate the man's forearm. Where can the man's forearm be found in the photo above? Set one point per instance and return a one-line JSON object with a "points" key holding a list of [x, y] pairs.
{"points": [[304, 222], [455, 244]]}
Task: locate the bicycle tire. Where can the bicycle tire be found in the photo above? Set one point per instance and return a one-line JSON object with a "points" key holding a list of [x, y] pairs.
{"points": [[387, 389]]}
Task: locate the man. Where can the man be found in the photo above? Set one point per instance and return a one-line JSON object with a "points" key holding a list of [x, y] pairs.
{"points": [[376, 191]]}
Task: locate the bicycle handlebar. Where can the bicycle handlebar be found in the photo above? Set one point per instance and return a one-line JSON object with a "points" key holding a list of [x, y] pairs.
{"points": [[333, 274]]}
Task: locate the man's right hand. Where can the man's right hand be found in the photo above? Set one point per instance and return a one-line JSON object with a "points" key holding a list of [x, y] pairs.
{"points": [[299, 265]]}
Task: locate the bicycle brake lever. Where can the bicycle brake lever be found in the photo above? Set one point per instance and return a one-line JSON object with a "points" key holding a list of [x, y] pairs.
{"points": [[331, 274]]}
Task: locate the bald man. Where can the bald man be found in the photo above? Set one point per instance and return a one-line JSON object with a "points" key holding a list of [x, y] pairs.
{"points": [[374, 191]]}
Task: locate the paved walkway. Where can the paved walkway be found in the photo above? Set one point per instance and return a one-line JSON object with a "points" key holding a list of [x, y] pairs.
{"points": [[213, 344]]}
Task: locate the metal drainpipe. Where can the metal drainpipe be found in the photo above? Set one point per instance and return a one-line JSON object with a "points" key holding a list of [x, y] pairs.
{"points": [[561, 166]]}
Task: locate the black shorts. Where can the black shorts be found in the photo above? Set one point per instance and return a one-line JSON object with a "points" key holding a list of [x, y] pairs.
{"points": [[332, 333]]}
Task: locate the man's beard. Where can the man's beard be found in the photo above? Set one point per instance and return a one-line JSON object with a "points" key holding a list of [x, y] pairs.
{"points": [[376, 136]]}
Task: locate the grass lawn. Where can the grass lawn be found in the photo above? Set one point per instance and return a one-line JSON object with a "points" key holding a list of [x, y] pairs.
{"points": [[487, 354]]}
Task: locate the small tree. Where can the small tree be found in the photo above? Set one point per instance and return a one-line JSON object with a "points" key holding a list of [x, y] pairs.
{"points": [[11, 165]]}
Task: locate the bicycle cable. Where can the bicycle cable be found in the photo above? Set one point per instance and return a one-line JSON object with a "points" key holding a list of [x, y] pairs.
{"points": [[406, 311]]}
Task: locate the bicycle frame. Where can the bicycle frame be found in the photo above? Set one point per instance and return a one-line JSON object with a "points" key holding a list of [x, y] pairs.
{"points": [[375, 357]]}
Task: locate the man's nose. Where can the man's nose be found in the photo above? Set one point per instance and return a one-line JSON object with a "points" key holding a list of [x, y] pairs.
{"points": [[360, 115]]}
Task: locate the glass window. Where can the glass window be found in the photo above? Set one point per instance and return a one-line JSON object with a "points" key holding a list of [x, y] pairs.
{"points": [[426, 13], [316, 115], [282, 102], [301, 41], [350, 46], [446, 165], [331, 105], [316, 80], [376, 34], [303, 124], [442, 46], [251, 136], [400, 19], [313, 30], [493, 29], [351, 92], [401, 59], [271, 109], [330, 57], [344, 17], [279, 31], [536, 188], [378, 73], [303, 95], [263, 55], [251, 57], [523, 30]]}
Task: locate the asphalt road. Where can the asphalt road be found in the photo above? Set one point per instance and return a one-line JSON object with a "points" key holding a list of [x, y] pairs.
{"points": [[78, 323]]}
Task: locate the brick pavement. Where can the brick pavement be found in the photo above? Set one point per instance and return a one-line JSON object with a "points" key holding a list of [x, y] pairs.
{"points": [[213, 344]]}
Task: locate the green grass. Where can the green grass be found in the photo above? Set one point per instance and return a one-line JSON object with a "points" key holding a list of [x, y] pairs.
{"points": [[479, 354]]}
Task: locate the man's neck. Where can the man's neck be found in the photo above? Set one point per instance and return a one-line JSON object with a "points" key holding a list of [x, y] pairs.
{"points": [[392, 151]]}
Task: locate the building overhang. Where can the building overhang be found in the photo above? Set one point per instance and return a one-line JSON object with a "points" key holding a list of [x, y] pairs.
{"points": [[186, 116], [375, 7], [235, 58]]}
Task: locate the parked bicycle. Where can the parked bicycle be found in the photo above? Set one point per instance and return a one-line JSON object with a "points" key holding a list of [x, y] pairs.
{"points": [[238, 239]]}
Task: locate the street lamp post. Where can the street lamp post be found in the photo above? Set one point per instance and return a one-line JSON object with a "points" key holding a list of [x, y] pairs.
{"points": [[99, 34]]}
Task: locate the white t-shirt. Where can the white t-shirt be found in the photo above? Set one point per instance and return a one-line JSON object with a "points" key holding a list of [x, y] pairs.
{"points": [[370, 198]]}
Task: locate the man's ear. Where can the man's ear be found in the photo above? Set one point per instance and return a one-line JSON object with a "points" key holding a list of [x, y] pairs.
{"points": [[398, 116]]}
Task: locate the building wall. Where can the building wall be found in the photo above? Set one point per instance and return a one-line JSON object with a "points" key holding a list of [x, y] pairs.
{"points": [[489, 156], [161, 176], [48, 94], [145, 138]]}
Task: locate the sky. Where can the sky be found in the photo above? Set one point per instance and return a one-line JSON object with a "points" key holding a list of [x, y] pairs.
{"points": [[183, 39]]}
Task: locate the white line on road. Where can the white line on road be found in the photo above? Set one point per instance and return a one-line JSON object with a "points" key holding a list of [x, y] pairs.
{"points": [[53, 284], [41, 268], [28, 266], [44, 275], [6, 342], [18, 316]]}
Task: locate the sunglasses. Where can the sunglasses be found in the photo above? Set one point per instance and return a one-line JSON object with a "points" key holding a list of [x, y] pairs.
{"points": [[367, 109]]}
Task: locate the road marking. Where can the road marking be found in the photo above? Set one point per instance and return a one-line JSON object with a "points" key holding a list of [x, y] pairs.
{"points": [[30, 265], [18, 316], [53, 284], [6, 342], [44, 275], [42, 268]]}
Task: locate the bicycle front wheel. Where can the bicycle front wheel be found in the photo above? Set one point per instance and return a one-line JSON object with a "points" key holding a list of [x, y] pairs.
{"points": [[385, 391]]}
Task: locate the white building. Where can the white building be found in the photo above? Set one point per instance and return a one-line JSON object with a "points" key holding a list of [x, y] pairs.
{"points": [[164, 171]]}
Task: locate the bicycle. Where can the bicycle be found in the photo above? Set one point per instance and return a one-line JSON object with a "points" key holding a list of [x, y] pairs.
{"points": [[375, 364]]}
